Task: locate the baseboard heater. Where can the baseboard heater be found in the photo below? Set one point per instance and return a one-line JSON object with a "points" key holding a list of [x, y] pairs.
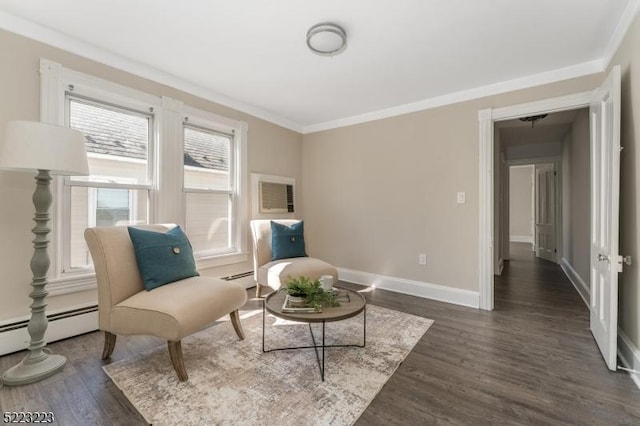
{"points": [[237, 276], [62, 325]]}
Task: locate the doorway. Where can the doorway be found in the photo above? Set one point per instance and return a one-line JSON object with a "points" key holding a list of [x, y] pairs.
{"points": [[534, 212], [547, 168], [547, 201], [491, 164], [532, 155], [521, 205], [604, 259]]}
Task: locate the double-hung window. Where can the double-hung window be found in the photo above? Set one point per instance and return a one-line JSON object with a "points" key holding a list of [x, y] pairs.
{"points": [[152, 159], [209, 186], [118, 189]]}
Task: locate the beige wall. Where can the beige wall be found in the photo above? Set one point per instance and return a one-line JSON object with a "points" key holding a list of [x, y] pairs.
{"points": [[576, 197], [378, 193], [534, 150], [520, 204], [628, 58], [271, 149]]}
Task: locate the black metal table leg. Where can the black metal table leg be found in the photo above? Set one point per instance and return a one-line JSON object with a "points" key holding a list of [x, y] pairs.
{"points": [[315, 346], [322, 351], [364, 327]]}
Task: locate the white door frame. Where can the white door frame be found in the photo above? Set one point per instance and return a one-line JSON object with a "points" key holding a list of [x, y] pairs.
{"points": [[486, 118]]}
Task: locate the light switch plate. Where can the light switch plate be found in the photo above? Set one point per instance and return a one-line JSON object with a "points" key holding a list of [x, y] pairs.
{"points": [[461, 197]]}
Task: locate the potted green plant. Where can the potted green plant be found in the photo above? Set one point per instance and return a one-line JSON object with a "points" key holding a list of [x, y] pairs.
{"points": [[297, 290], [303, 291]]}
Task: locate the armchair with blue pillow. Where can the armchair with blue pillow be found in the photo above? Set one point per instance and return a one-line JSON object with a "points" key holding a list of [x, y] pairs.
{"points": [[279, 253], [148, 284]]}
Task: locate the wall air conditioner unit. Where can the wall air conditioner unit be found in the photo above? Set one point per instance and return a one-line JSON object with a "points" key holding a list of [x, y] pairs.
{"points": [[274, 194], [275, 197]]}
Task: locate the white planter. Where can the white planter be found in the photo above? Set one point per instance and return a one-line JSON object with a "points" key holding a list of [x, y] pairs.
{"points": [[297, 301]]}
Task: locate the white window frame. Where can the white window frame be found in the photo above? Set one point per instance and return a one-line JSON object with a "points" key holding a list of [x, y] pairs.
{"points": [[55, 82], [207, 121], [165, 164], [131, 105]]}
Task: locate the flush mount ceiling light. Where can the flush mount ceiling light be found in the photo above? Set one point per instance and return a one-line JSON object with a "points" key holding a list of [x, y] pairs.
{"points": [[533, 118], [326, 39]]}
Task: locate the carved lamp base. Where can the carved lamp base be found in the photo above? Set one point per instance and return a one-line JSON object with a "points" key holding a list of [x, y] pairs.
{"points": [[31, 371]]}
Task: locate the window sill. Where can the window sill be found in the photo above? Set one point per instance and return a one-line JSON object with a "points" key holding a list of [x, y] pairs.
{"points": [[74, 283], [71, 284], [221, 260]]}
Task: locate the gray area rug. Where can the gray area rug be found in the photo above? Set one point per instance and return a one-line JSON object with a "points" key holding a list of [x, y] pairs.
{"points": [[232, 382]]}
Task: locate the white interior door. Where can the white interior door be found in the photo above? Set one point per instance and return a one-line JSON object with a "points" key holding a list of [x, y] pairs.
{"points": [[545, 209], [605, 197]]}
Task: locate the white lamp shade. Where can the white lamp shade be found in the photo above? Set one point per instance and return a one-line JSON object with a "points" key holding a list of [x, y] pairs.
{"points": [[32, 146]]}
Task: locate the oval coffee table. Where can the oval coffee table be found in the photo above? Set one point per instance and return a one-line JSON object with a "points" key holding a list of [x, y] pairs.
{"points": [[351, 304]]}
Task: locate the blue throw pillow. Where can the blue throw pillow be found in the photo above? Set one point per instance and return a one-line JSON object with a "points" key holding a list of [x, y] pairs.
{"points": [[162, 257], [287, 241]]}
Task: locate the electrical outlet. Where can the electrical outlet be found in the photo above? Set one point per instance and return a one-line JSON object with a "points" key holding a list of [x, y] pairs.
{"points": [[422, 259]]}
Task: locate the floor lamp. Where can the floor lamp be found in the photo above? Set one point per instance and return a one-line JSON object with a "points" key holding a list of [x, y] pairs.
{"points": [[30, 146]]}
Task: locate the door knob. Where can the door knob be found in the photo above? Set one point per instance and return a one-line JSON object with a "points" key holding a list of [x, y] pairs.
{"points": [[602, 257]]}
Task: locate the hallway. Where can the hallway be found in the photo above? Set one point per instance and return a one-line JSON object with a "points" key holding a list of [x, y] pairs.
{"points": [[536, 294], [533, 284]]}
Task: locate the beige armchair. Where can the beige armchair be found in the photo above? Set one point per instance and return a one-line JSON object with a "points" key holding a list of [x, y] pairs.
{"points": [[274, 273], [171, 312]]}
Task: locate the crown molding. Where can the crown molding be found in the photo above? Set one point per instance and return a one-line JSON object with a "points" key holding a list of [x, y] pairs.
{"points": [[574, 71], [620, 32], [56, 39]]}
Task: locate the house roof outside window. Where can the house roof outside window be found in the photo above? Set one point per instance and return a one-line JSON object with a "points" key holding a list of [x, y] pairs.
{"points": [[126, 135]]}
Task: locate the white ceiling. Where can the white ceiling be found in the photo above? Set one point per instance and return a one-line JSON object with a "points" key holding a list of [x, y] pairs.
{"points": [[402, 55]]}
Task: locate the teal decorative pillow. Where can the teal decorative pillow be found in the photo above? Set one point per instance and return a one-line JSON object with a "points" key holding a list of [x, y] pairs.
{"points": [[287, 241], [162, 257]]}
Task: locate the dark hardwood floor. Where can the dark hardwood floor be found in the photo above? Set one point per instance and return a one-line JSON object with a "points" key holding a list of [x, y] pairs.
{"points": [[531, 361]]}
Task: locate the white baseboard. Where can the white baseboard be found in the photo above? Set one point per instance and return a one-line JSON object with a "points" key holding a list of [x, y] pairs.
{"points": [[629, 355], [579, 284], [414, 288], [521, 239], [58, 329]]}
